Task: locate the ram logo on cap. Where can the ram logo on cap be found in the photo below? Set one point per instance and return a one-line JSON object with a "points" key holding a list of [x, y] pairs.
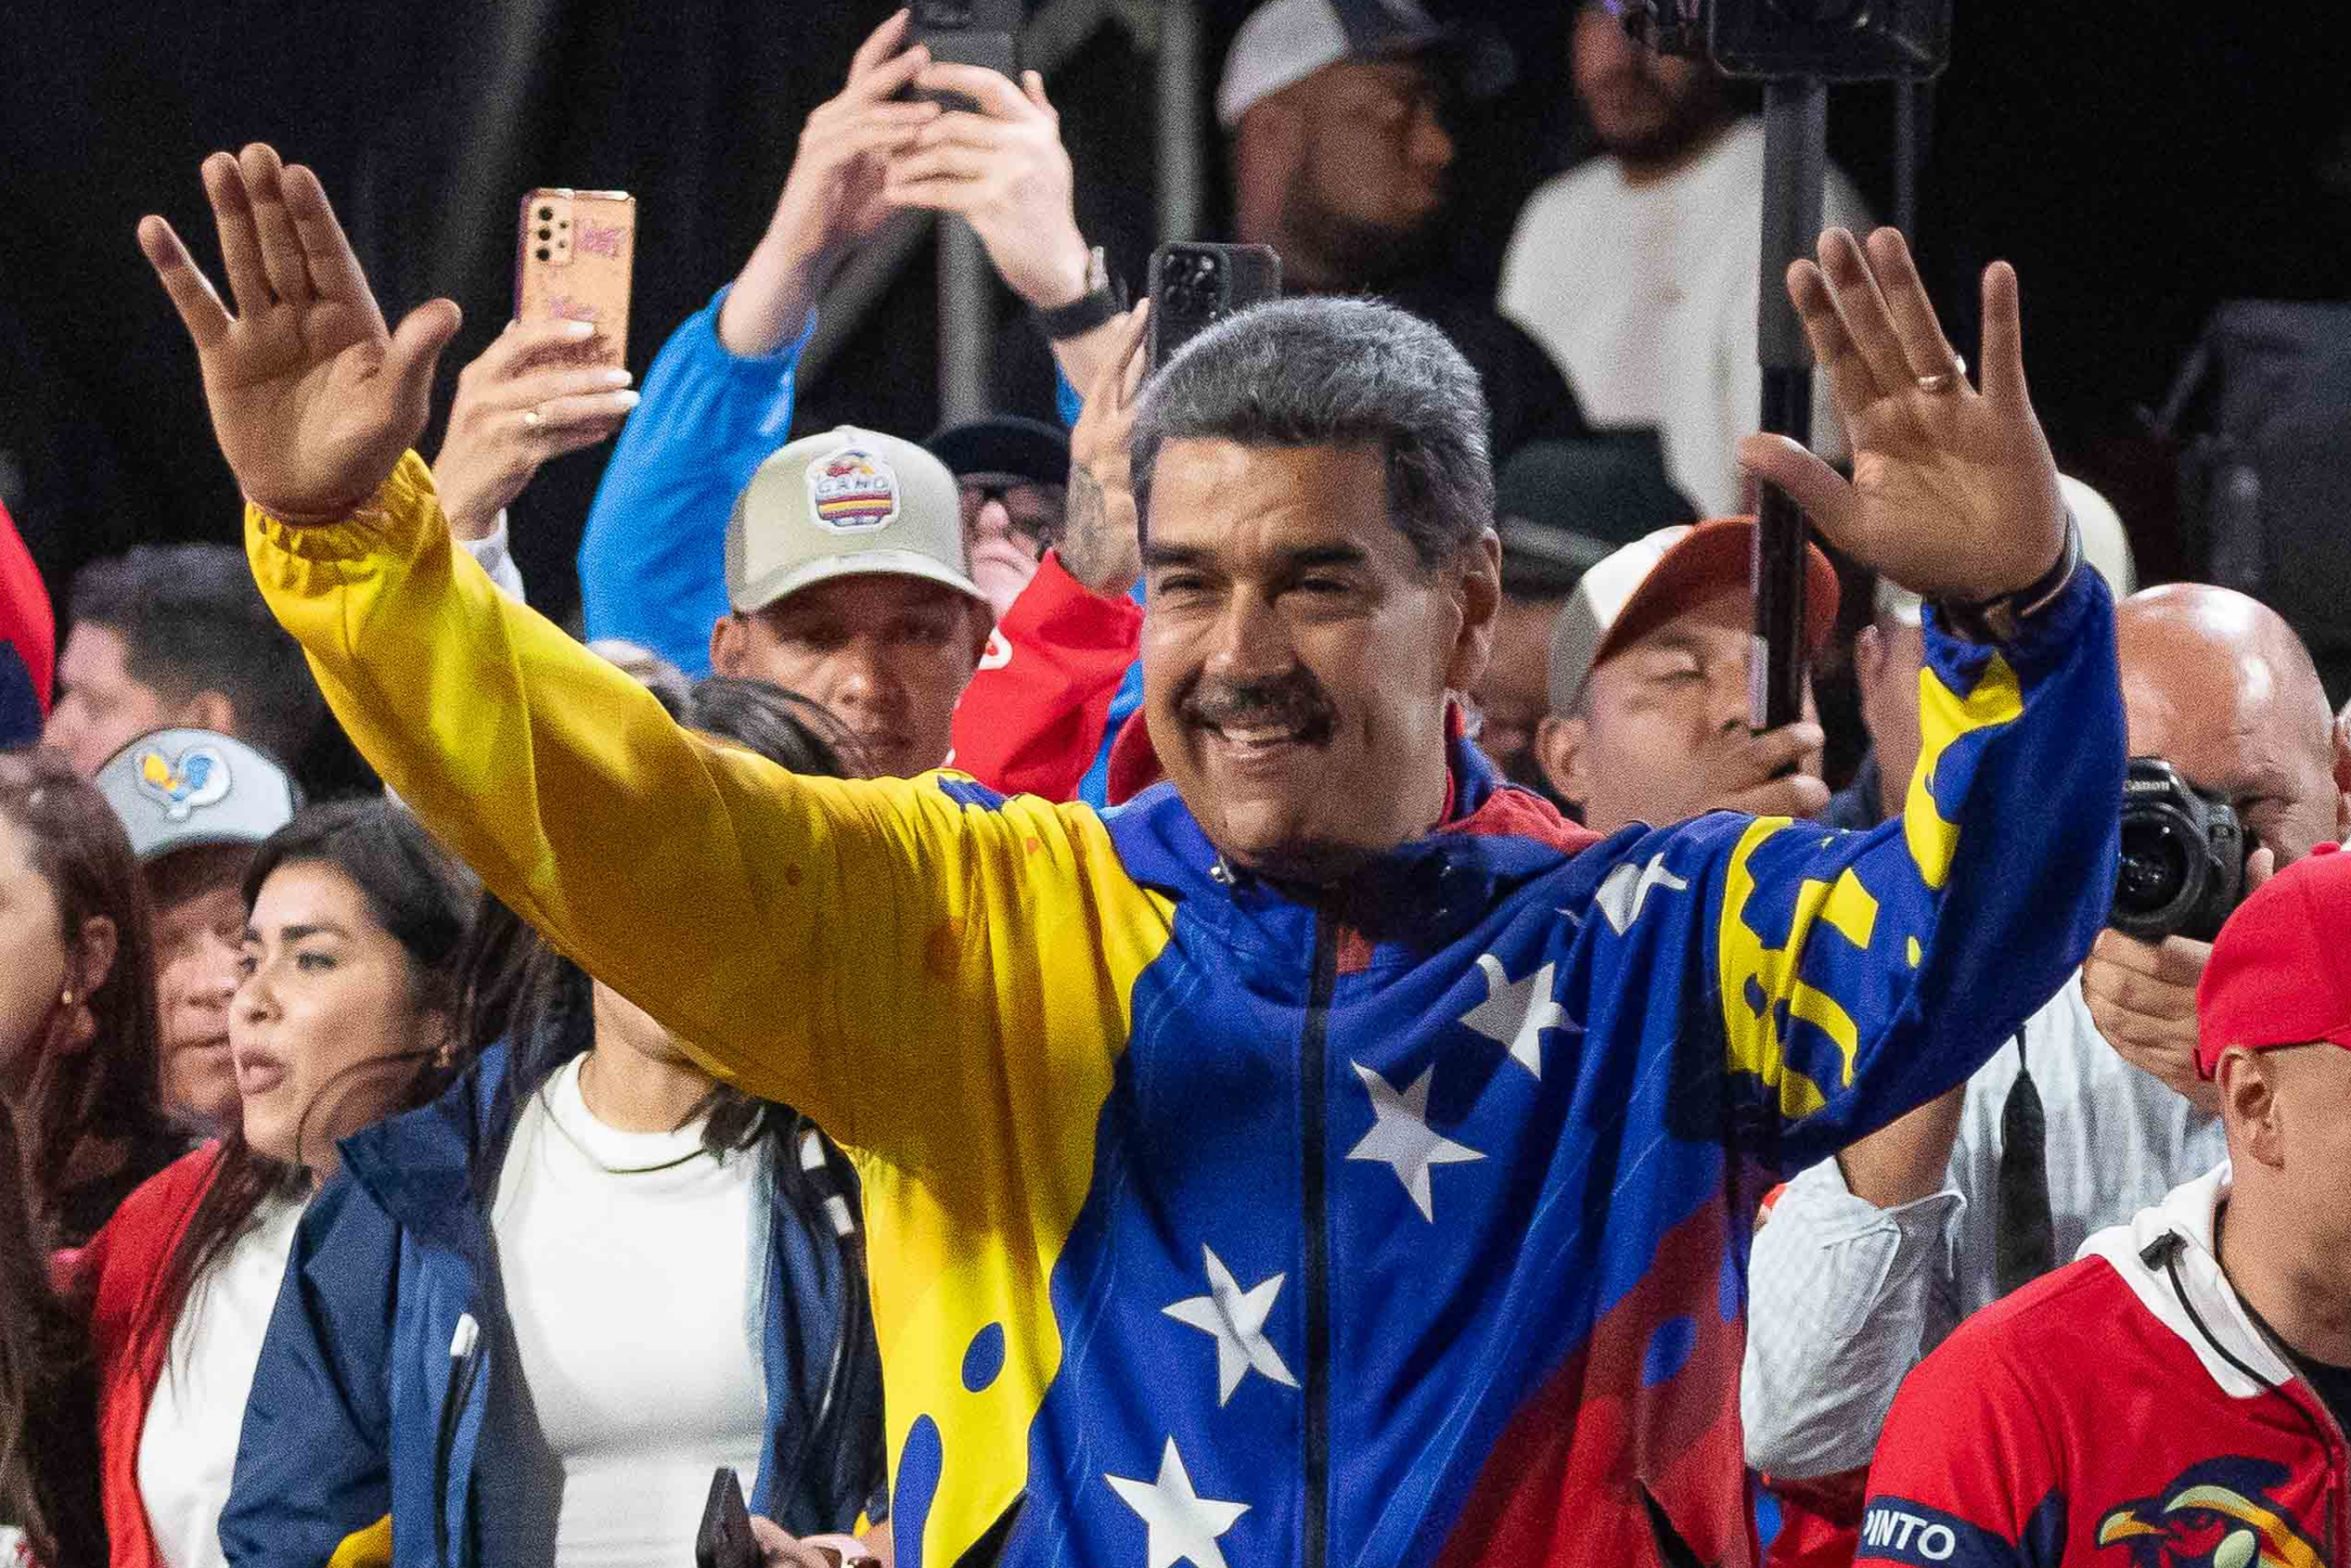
{"points": [[852, 491], [196, 778]]}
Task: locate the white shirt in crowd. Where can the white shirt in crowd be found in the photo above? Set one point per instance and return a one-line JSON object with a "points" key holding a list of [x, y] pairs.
{"points": [[635, 1273], [1847, 1297], [1646, 296], [187, 1449]]}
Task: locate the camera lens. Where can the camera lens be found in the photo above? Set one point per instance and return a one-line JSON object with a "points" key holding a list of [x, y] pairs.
{"points": [[545, 213], [547, 234], [543, 252], [2156, 868]]}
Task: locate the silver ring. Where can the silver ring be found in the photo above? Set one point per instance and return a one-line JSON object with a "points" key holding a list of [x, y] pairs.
{"points": [[531, 415], [1943, 381]]}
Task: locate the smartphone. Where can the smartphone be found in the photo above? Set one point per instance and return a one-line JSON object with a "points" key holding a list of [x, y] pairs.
{"points": [[724, 1540], [981, 33], [574, 254], [1195, 286]]}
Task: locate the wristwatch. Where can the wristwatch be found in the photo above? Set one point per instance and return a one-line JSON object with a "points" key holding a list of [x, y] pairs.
{"points": [[1098, 304], [1997, 619]]}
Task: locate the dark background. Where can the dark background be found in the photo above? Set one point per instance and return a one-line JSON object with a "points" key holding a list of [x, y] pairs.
{"points": [[2137, 164]]}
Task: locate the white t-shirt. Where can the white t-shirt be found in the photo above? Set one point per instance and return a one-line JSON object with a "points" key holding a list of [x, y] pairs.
{"points": [[1646, 296], [187, 1449], [637, 1307]]}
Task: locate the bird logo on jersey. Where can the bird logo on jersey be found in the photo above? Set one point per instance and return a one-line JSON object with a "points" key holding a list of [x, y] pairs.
{"points": [[2220, 1513]]}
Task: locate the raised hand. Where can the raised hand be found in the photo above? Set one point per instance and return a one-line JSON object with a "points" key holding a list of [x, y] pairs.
{"points": [[1001, 168], [312, 400], [833, 197], [1954, 494], [1102, 542], [517, 406]]}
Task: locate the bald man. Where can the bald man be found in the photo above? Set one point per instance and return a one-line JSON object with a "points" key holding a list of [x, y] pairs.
{"points": [[2221, 687], [1870, 1259]]}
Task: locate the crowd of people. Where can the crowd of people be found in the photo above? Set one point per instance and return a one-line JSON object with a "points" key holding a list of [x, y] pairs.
{"points": [[1220, 980]]}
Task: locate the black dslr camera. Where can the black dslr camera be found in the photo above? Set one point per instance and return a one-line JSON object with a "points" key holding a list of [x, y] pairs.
{"points": [[2184, 853]]}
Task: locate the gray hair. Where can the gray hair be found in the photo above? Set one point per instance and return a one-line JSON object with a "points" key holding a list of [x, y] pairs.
{"points": [[1336, 372]]}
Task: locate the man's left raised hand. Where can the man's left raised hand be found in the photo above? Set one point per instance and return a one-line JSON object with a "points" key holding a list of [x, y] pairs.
{"points": [[1954, 494], [1002, 169]]}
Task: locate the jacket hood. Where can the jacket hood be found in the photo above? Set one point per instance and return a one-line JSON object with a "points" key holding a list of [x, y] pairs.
{"points": [[2133, 1250]]}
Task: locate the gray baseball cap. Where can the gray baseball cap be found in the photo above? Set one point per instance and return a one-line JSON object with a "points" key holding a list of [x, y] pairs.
{"points": [[847, 502], [180, 789]]}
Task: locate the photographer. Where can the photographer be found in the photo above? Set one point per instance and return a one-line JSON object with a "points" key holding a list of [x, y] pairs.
{"points": [[1870, 1259]]}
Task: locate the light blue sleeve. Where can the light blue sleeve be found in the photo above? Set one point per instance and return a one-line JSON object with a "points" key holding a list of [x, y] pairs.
{"points": [[653, 557]]}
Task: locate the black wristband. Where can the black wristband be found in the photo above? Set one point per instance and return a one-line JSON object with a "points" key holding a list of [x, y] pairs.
{"points": [[1998, 620], [1101, 301], [1080, 316]]}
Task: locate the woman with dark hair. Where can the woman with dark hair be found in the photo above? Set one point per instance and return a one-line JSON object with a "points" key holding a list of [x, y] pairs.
{"points": [[465, 1339], [77, 1000], [48, 1437], [354, 924]]}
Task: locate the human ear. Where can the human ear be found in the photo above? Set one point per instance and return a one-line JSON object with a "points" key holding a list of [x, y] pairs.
{"points": [[1560, 752], [1477, 599], [2249, 1108], [728, 647]]}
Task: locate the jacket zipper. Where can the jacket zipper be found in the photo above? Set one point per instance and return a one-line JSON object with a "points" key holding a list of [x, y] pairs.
{"points": [[1313, 1047], [465, 1361]]}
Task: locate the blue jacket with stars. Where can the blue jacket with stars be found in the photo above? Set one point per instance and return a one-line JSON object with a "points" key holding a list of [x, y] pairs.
{"points": [[1208, 1225]]}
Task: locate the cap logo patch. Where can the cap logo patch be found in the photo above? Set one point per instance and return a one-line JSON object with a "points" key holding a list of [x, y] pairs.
{"points": [[853, 491], [196, 778]]}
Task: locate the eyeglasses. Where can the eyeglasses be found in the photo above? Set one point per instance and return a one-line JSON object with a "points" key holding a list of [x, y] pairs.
{"points": [[1033, 512]]}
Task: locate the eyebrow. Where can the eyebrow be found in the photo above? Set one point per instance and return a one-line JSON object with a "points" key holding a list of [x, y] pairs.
{"points": [[1305, 558], [295, 934]]}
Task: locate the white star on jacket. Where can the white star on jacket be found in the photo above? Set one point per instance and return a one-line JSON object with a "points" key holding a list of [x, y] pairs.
{"points": [[1401, 1136], [1516, 1015], [1183, 1525], [1626, 889], [1235, 1319]]}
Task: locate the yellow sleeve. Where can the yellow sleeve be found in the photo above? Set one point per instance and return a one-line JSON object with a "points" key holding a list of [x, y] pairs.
{"points": [[834, 944]]}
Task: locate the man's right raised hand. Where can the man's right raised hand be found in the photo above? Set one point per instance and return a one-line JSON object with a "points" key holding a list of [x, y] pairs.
{"points": [[312, 400]]}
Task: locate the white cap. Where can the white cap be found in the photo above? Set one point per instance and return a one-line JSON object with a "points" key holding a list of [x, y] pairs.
{"points": [[2105, 545], [1286, 40]]}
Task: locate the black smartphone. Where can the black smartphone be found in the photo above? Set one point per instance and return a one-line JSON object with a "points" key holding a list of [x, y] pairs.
{"points": [[1195, 286], [981, 33], [724, 1540]]}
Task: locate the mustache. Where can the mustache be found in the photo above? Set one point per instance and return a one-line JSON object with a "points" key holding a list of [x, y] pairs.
{"points": [[1293, 701]]}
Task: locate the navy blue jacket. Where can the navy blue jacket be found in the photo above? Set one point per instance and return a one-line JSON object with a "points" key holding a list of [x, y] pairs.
{"points": [[346, 1420]]}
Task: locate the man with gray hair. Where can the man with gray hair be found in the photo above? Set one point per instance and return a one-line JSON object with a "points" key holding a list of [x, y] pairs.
{"points": [[1333, 1156]]}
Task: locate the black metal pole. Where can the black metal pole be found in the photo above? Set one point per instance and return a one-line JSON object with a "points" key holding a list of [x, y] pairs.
{"points": [[1796, 158]]}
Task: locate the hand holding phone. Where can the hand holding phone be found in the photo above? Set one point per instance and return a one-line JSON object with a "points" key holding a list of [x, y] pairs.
{"points": [[1195, 286], [575, 255]]}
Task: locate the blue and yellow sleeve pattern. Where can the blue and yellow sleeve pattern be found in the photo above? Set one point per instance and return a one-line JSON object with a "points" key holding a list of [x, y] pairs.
{"points": [[1861, 974]]}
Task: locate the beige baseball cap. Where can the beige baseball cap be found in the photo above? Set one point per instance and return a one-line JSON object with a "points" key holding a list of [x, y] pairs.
{"points": [[1655, 578], [848, 503]]}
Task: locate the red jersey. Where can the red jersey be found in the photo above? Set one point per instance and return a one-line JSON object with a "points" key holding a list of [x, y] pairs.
{"points": [[2103, 1416]]}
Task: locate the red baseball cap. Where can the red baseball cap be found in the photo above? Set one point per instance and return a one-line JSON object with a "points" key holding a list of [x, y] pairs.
{"points": [[2281, 970]]}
